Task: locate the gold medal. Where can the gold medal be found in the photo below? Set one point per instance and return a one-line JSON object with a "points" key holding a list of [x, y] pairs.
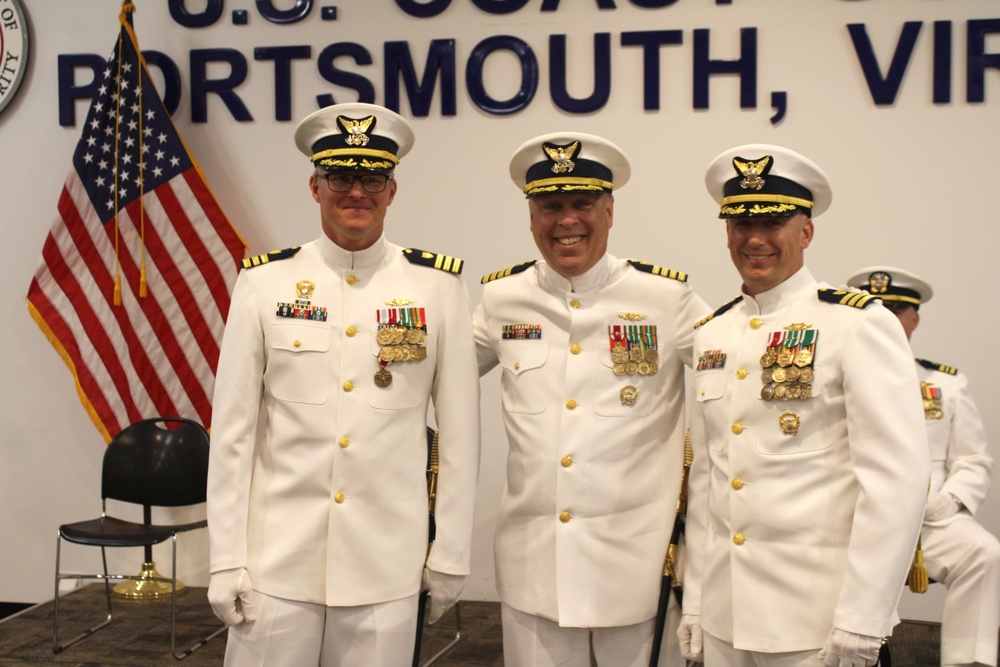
{"points": [[778, 374], [419, 353], [767, 376], [806, 375], [789, 423], [383, 378], [631, 368], [619, 369], [651, 356], [619, 355], [384, 336], [806, 392], [803, 357], [794, 391], [779, 391], [768, 359], [386, 354], [643, 368], [785, 358], [767, 392], [635, 354], [653, 368], [413, 336], [792, 373]]}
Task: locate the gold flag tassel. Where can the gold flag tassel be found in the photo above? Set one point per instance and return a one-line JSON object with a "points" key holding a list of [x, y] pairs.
{"points": [[918, 581]]}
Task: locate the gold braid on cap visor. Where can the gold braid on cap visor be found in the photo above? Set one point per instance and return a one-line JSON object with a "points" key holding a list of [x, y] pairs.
{"points": [[775, 199], [371, 152], [567, 183], [897, 297]]}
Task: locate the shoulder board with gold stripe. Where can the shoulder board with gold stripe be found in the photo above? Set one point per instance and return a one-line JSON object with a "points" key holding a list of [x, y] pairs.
{"points": [[659, 270], [273, 256], [509, 271], [720, 310], [950, 370], [844, 298], [434, 260]]}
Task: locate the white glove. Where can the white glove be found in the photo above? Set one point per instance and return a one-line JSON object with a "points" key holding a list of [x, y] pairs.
{"points": [[689, 634], [443, 590], [940, 506], [846, 649], [231, 596]]}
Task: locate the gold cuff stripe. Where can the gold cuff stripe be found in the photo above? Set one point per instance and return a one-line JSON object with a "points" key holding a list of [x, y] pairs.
{"points": [[371, 152], [567, 180], [779, 199]]}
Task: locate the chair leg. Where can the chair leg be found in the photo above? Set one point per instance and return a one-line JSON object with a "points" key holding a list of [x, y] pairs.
{"points": [[173, 614], [451, 644], [56, 646]]}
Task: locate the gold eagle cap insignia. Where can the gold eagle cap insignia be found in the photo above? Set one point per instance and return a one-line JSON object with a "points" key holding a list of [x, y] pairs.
{"points": [[356, 129], [752, 172], [562, 156]]}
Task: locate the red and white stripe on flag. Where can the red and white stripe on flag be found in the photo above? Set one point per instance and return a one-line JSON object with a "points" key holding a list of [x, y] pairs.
{"points": [[135, 205]]}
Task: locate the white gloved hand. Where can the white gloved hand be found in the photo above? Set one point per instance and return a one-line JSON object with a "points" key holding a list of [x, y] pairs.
{"points": [[443, 591], [940, 506], [847, 649], [690, 636], [231, 596]]}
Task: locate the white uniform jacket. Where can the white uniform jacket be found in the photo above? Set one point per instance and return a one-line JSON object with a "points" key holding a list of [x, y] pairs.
{"points": [[592, 476], [960, 457], [327, 501], [804, 512]]}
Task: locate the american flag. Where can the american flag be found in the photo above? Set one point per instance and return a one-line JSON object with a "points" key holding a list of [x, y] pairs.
{"points": [[136, 274]]}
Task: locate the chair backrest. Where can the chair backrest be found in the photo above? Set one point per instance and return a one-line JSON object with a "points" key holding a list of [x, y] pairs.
{"points": [[161, 461]]}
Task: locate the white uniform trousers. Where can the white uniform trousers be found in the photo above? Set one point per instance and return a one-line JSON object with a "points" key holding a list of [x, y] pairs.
{"points": [[534, 641], [965, 557], [720, 653], [302, 634]]}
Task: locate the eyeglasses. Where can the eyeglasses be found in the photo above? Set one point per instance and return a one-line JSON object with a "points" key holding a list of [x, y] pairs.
{"points": [[338, 182]]}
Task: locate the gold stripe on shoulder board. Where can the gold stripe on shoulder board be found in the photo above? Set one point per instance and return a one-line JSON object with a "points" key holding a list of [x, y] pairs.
{"points": [[718, 311], [273, 256], [659, 270], [433, 260], [509, 271], [844, 298]]}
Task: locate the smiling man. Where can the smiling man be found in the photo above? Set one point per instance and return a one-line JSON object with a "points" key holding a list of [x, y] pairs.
{"points": [[810, 457], [593, 350], [332, 355]]}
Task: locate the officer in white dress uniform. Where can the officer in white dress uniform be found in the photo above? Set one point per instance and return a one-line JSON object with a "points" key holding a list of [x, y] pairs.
{"points": [[957, 551], [809, 472], [592, 350], [317, 501]]}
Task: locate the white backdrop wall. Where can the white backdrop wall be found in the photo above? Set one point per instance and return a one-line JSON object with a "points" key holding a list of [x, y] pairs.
{"points": [[914, 186]]}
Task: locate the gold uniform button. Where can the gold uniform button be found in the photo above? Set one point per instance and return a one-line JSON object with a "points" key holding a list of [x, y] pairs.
{"points": [[739, 539], [351, 279], [755, 323], [737, 428], [351, 332], [339, 498], [567, 461], [575, 348], [345, 442], [297, 343], [575, 303], [741, 373], [348, 386], [517, 364], [737, 483], [571, 404], [564, 517]]}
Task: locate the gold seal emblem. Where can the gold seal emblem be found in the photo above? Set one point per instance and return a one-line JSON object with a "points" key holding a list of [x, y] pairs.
{"points": [[752, 172], [878, 282], [304, 289], [629, 394], [789, 422], [561, 156], [356, 129]]}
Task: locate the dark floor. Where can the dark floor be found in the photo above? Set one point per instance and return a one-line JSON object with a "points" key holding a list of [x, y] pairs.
{"points": [[139, 635]]}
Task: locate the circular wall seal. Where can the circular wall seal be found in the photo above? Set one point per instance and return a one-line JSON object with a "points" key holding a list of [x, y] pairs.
{"points": [[13, 50]]}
